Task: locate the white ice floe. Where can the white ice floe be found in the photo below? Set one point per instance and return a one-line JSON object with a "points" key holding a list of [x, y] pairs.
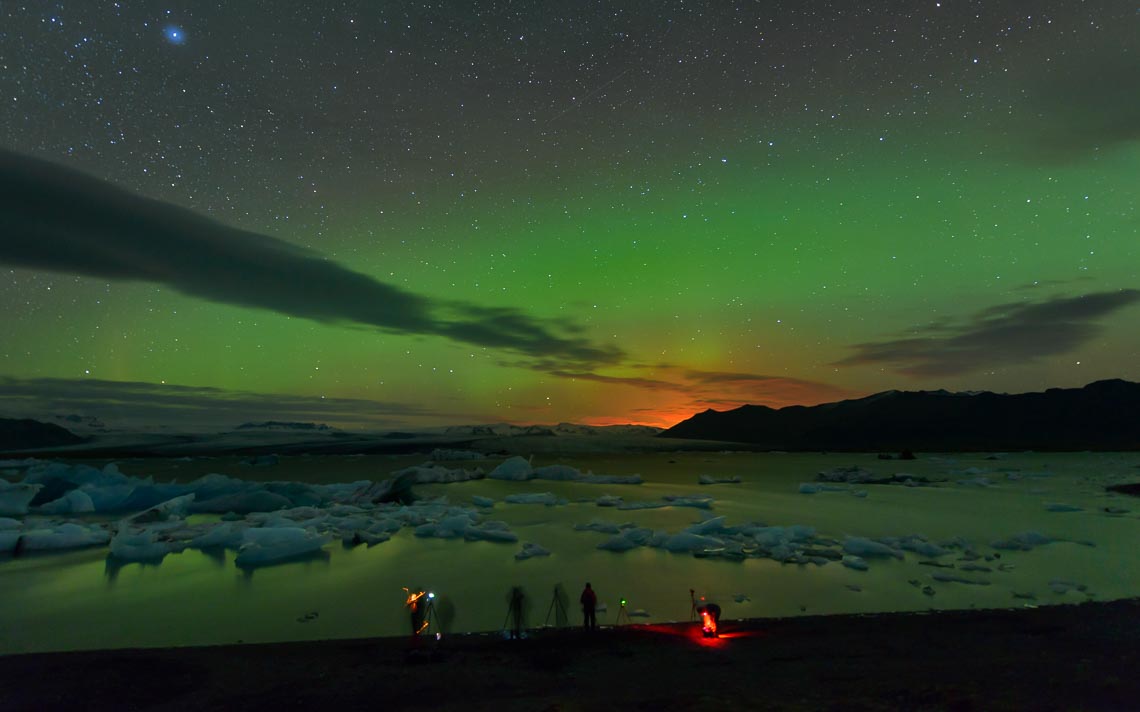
{"points": [[955, 578], [519, 469], [852, 474], [263, 546], [69, 535], [710, 480], [447, 454], [815, 488], [1060, 507], [854, 562], [861, 546], [598, 525], [15, 498], [608, 500], [548, 498], [529, 550], [1064, 586], [1025, 541], [628, 539], [142, 545], [689, 542], [434, 474], [479, 501]]}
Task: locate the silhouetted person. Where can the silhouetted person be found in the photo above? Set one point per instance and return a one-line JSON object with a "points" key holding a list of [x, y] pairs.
{"points": [[589, 601], [516, 612], [415, 603], [710, 619]]}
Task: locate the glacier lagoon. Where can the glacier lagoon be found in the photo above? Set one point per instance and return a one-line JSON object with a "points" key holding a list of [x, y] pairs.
{"points": [[83, 599]]}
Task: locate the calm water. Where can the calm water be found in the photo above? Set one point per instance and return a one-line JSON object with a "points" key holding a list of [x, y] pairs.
{"points": [[74, 601]]}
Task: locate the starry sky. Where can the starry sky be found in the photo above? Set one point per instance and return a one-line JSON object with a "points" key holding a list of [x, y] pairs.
{"points": [[400, 214]]}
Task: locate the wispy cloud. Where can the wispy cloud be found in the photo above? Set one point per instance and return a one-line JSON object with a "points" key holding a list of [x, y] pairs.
{"points": [[1093, 106], [1005, 334], [696, 390], [135, 403], [58, 219]]}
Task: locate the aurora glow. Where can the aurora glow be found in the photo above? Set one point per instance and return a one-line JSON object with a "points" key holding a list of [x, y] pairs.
{"points": [[667, 208]]}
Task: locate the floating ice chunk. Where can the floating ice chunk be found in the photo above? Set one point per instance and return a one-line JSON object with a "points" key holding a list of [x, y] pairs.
{"points": [[490, 530], [440, 454], [921, 546], [814, 488], [171, 508], [690, 542], [15, 498], [861, 546], [8, 540], [448, 528], [139, 545], [479, 501], [591, 479], [712, 525], [642, 505], [685, 501], [7, 523], [1059, 507], [557, 472], [710, 480], [976, 482], [229, 535], [271, 545], [429, 474], [108, 498], [64, 536], [598, 525], [628, 539], [547, 498], [608, 500], [258, 500], [76, 501], [530, 549], [639, 613], [1024, 541], [261, 461], [1063, 586], [741, 598], [854, 562], [955, 578], [513, 468], [845, 474]]}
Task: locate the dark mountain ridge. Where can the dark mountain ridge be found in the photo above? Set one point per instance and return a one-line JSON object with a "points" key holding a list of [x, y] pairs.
{"points": [[1104, 415], [25, 434]]}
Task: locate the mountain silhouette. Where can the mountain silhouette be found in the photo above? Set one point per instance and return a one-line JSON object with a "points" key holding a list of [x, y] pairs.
{"points": [[1104, 415]]}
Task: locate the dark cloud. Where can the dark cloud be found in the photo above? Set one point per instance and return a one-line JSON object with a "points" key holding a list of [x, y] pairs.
{"points": [[133, 403], [54, 218], [1083, 108], [1001, 335], [719, 389]]}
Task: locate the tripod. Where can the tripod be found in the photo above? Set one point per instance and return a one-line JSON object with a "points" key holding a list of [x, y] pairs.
{"points": [[622, 613], [693, 615], [515, 611], [557, 608], [431, 618]]}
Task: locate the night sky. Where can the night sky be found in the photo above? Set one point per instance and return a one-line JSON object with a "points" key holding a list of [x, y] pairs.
{"points": [[397, 214]]}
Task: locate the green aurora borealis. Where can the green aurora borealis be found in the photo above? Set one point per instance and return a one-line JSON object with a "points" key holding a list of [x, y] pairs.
{"points": [[771, 203]]}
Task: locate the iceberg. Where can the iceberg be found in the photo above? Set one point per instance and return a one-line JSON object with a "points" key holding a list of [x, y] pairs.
{"points": [[15, 498], [271, 545], [529, 550]]}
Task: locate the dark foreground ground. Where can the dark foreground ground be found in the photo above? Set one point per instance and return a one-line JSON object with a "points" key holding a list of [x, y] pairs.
{"points": [[1049, 658]]}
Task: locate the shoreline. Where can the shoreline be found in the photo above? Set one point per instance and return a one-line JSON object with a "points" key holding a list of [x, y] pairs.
{"points": [[1050, 657]]}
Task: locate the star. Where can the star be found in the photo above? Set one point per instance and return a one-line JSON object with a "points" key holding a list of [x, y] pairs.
{"points": [[174, 34]]}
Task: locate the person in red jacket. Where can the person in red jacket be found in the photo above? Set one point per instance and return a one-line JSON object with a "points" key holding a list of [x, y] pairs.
{"points": [[589, 601]]}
